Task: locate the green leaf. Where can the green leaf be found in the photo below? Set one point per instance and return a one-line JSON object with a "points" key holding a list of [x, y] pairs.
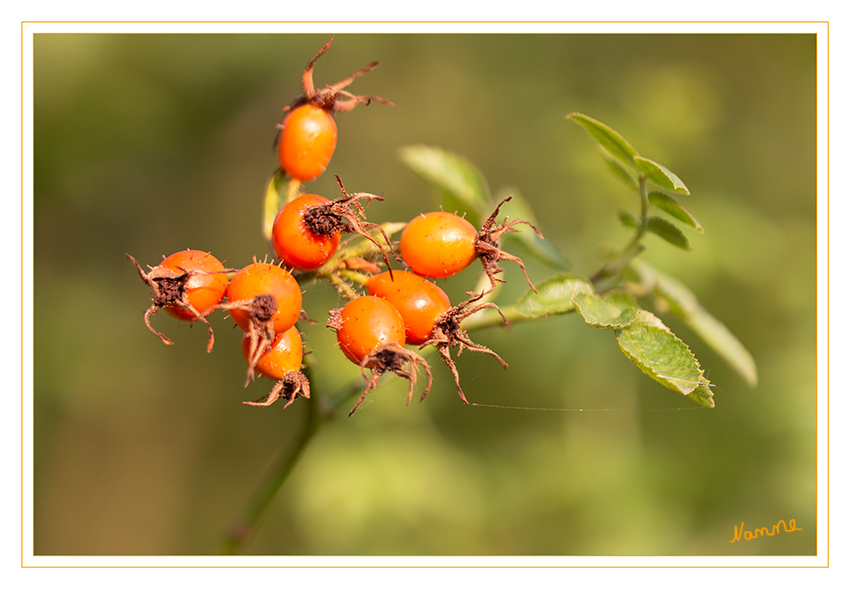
{"points": [[619, 170], [712, 331], [660, 175], [276, 190], [608, 138], [703, 395], [542, 249], [674, 209], [600, 314], [621, 299], [554, 296], [668, 232], [660, 354], [660, 227], [627, 219], [459, 184]]}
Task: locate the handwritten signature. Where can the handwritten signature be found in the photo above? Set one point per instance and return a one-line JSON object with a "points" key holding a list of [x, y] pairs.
{"points": [[748, 535]]}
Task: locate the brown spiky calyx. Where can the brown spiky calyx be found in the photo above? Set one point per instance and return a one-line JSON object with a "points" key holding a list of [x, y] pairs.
{"points": [[347, 214], [487, 248], [447, 333], [332, 98], [289, 387], [169, 289], [261, 334], [397, 359]]}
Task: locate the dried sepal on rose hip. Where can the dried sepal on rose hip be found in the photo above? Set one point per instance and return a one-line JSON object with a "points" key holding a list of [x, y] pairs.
{"points": [[280, 361], [307, 231], [359, 264], [488, 249], [447, 333], [441, 244], [370, 332], [307, 137], [299, 245], [333, 98], [189, 285], [264, 300]]}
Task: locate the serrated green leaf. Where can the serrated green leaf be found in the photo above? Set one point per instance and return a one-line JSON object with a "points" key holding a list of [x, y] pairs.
{"points": [[660, 175], [608, 138], [554, 296], [600, 314], [668, 232], [459, 184], [712, 331], [619, 170], [703, 395], [653, 348], [621, 299], [542, 249], [674, 209]]}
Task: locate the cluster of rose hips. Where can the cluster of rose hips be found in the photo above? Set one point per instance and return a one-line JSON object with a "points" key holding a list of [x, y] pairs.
{"points": [[402, 306]]}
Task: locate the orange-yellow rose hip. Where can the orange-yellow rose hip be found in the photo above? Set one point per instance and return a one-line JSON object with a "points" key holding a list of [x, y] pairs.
{"points": [[307, 137], [263, 279], [281, 362], [307, 142], [438, 244], [370, 332], [367, 323], [419, 301], [295, 243], [284, 355]]}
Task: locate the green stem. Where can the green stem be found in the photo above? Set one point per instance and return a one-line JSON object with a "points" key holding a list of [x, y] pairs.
{"points": [[242, 529], [634, 248], [354, 276], [319, 412], [342, 286]]}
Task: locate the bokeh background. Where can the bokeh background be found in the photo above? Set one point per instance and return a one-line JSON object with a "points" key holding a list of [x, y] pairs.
{"points": [[152, 143]]}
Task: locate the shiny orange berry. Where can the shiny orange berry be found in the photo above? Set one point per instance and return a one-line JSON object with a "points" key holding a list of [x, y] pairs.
{"points": [[307, 142], [295, 243], [264, 280], [370, 332], [438, 244], [419, 301], [308, 133], [281, 361], [284, 356], [367, 323]]}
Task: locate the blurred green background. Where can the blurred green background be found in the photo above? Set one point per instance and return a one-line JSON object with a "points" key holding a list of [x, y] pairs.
{"points": [[152, 143]]}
